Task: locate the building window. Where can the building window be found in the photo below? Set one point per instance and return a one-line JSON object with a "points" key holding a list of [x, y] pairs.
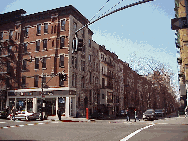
{"points": [[90, 76], [72, 61], [61, 62], [62, 43], [89, 43], [36, 79], [24, 64], [45, 27], [75, 62], [45, 44], [103, 82], [83, 32], [44, 62], [38, 45], [73, 45], [89, 58], [23, 81], [1, 35], [73, 80], [90, 93], [53, 43], [75, 26], [26, 31], [36, 63], [63, 24], [82, 65], [10, 34], [39, 29], [52, 30], [25, 47], [55, 29], [102, 96], [83, 82]]}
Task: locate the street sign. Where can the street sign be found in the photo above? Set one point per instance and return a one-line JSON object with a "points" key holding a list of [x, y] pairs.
{"points": [[179, 23]]}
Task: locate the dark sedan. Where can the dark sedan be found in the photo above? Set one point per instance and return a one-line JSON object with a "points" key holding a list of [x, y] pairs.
{"points": [[149, 114]]}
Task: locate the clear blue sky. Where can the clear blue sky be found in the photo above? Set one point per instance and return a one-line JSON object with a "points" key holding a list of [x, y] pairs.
{"points": [[143, 30]]}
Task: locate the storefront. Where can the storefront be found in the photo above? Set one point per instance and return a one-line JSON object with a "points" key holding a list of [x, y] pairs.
{"points": [[31, 101]]}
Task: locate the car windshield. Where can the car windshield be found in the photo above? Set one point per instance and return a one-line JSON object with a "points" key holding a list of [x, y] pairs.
{"points": [[158, 110], [148, 112]]}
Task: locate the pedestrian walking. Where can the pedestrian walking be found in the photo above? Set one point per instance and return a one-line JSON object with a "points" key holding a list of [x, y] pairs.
{"points": [[128, 114], [13, 113], [59, 113], [186, 111], [7, 110]]}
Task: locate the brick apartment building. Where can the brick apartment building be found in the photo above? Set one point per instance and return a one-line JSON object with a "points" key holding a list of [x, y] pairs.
{"points": [[181, 41], [40, 59]]}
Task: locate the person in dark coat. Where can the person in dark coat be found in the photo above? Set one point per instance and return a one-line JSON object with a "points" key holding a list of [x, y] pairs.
{"points": [[7, 110], [128, 115], [13, 113], [59, 113]]}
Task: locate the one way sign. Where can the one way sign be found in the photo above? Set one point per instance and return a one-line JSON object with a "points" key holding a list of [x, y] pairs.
{"points": [[179, 23]]}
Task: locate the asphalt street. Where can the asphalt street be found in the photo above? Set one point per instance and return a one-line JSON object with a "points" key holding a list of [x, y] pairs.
{"points": [[172, 129]]}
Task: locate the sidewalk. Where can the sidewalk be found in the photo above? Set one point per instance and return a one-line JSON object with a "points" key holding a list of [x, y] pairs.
{"points": [[67, 119]]}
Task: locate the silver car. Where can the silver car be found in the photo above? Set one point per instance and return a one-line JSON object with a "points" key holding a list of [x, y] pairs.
{"points": [[25, 115]]}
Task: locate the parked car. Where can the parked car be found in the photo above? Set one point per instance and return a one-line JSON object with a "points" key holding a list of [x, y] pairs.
{"points": [[149, 114], [3, 114], [123, 113], [25, 115], [159, 112]]}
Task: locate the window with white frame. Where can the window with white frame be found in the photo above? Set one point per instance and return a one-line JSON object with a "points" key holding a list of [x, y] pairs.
{"points": [[37, 45], [39, 29], [45, 44], [36, 79], [45, 27], [36, 63], [62, 42], [44, 62], [73, 45], [63, 24]]}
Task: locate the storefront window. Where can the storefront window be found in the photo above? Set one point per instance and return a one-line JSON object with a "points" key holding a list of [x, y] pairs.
{"points": [[11, 102], [30, 104], [21, 104]]}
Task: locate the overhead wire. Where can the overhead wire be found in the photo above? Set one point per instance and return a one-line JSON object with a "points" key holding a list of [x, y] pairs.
{"points": [[111, 8], [99, 10]]}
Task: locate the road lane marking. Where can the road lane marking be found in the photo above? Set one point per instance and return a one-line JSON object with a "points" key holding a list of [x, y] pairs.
{"points": [[2, 122], [135, 132]]}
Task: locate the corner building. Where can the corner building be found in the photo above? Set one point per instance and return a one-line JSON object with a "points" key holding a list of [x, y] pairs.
{"points": [[46, 46]]}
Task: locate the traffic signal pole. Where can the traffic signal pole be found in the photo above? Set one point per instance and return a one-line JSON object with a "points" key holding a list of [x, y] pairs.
{"points": [[119, 9]]}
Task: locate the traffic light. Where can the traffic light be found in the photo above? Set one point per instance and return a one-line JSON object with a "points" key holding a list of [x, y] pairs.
{"points": [[80, 45]]}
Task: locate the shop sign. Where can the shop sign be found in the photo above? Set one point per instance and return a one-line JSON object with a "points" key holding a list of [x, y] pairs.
{"points": [[11, 94], [27, 93]]}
